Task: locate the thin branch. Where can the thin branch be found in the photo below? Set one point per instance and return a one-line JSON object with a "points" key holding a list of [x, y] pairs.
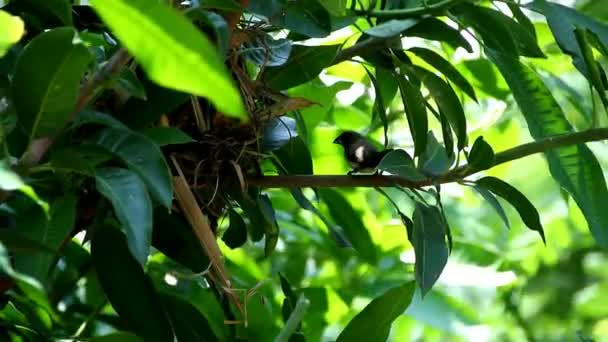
{"points": [[458, 174], [432, 9]]}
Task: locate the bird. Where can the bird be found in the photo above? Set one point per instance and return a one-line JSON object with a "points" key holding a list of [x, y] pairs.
{"points": [[361, 154]]}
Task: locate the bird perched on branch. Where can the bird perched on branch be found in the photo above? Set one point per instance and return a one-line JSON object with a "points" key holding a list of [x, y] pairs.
{"points": [[359, 152]]}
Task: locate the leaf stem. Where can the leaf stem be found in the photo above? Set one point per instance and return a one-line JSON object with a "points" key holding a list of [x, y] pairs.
{"points": [[455, 175]]}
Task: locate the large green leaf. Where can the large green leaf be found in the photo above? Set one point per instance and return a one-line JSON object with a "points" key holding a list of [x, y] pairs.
{"points": [[415, 110], [374, 322], [575, 168], [172, 51], [435, 29], [127, 287], [47, 79], [33, 225], [524, 207], [347, 218], [10, 181], [430, 247], [12, 29], [143, 157], [399, 162], [188, 322], [132, 206], [304, 64], [390, 28], [295, 157]]}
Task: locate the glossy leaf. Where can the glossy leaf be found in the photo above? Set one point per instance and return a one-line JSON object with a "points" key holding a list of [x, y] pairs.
{"points": [[415, 110], [575, 168], [172, 51], [265, 50], [491, 199], [346, 217], [524, 207], [295, 157], [164, 136], [195, 327], [399, 162], [447, 101], [94, 117], [304, 64], [390, 28], [143, 157], [446, 68], [236, 234], [132, 206], [430, 247], [594, 74], [435, 29], [481, 156], [51, 233], [138, 303], [12, 28], [563, 20], [374, 322], [45, 90], [278, 132]]}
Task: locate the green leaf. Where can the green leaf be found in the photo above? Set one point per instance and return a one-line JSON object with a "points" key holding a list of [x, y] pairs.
{"points": [[335, 7], [524, 207], [575, 168], [265, 50], [562, 21], [215, 22], [236, 234], [10, 181], [593, 69], [138, 303], [88, 116], [447, 101], [228, 5], [60, 9], [45, 90], [138, 113], [271, 232], [195, 327], [117, 337], [521, 18], [435, 29], [390, 28], [446, 68], [481, 156], [374, 322], [128, 81], [491, 199], [399, 162], [164, 136], [172, 51], [143, 157], [33, 225], [278, 132], [306, 17], [346, 217], [415, 110], [132, 206], [379, 108], [295, 157], [435, 160], [12, 28], [304, 64], [78, 158], [430, 248]]}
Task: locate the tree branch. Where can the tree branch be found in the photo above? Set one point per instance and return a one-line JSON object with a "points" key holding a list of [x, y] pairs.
{"points": [[458, 174], [432, 9]]}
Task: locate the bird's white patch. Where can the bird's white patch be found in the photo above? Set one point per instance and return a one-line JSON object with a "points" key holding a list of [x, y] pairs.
{"points": [[359, 153]]}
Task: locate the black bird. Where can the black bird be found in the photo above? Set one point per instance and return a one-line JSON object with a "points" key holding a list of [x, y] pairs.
{"points": [[359, 152]]}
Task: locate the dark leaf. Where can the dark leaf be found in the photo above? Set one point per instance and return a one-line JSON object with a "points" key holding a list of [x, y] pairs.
{"points": [[429, 242], [435, 29], [481, 156], [390, 28], [374, 322], [295, 157], [214, 22], [594, 75], [88, 116], [415, 110], [575, 168], [304, 64], [45, 89], [306, 17], [491, 199], [399, 162], [435, 160], [117, 337], [143, 157], [278, 132], [128, 81], [265, 50], [346, 217], [132, 207], [272, 230], [379, 108], [138, 303], [138, 113], [189, 324], [446, 68], [236, 234], [163, 136], [524, 207]]}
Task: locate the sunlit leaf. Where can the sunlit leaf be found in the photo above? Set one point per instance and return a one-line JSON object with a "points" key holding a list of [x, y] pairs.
{"points": [[12, 29], [10, 181], [430, 247], [172, 51], [267, 51], [575, 168], [519, 201], [137, 304], [143, 157], [60, 9], [45, 89], [379, 108], [128, 81], [132, 205], [374, 322]]}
